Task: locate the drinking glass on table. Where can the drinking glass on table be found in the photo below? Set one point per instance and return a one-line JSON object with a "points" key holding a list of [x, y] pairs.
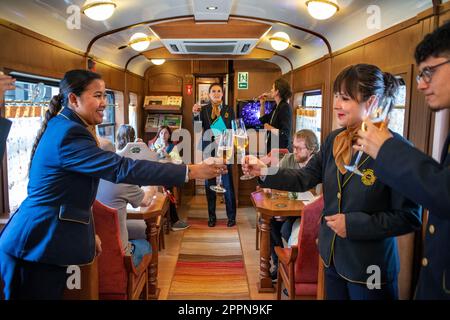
{"points": [[225, 152], [376, 113], [240, 141]]}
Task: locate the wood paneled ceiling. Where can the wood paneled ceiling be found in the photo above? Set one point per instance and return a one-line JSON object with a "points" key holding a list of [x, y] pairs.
{"points": [[189, 29]]}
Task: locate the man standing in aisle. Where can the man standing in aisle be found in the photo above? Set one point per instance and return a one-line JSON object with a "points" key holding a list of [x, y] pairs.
{"points": [[415, 174]]}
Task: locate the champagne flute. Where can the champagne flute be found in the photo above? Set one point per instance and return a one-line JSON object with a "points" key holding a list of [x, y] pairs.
{"points": [[377, 113], [240, 141], [225, 152]]}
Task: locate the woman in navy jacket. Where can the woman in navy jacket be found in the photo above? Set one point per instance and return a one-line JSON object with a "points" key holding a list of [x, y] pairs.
{"points": [[53, 227], [361, 215]]}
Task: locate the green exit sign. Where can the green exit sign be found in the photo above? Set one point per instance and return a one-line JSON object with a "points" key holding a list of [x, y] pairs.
{"points": [[242, 80]]}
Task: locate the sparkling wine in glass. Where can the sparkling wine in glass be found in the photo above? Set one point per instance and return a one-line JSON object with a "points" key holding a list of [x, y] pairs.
{"points": [[225, 152], [376, 113], [240, 141]]}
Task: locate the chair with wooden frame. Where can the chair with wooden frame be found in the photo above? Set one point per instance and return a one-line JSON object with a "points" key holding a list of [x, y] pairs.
{"points": [[119, 278], [298, 265]]}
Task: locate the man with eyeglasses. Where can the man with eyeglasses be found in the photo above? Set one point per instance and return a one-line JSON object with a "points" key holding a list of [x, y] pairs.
{"points": [[6, 83], [415, 174]]}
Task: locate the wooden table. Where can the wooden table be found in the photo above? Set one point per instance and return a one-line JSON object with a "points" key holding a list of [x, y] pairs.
{"points": [[278, 205], [159, 207]]}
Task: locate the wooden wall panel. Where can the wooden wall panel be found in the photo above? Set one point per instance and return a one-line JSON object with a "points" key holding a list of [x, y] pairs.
{"points": [[34, 54], [207, 67], [26, 54], [261, 77]]}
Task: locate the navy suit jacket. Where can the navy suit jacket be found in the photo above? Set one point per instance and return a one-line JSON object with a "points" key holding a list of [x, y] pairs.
{"points": [[374, 214], [227, 114], [54, 223], [282, 120], [5, 125], [419, 177]]}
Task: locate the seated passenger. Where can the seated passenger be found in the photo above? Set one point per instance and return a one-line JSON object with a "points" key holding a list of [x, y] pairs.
{"points": [[117, 196], [305, 146], [164, 146]]}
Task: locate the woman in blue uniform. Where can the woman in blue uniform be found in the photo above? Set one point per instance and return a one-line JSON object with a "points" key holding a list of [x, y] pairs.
{"points": [[207, 115], [361, 215], [53, 227]]}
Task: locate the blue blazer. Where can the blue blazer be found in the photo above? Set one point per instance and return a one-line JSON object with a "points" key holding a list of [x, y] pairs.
{"points": [[421, 178], [374, 214], [54, 223], [227, 114], [5, 125]]}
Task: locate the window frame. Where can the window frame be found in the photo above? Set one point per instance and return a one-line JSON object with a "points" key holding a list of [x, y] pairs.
{"points": [[110, 124], [405, 72], [5, 210]]}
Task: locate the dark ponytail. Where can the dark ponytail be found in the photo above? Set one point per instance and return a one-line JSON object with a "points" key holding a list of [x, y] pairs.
{"points": [[391, 85], [74, 81]]}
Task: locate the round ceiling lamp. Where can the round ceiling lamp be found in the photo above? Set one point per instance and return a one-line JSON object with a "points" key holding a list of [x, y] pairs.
{"points": [[158, 62], [322, 9], [99, 10], [280, 41], [139, 41]]}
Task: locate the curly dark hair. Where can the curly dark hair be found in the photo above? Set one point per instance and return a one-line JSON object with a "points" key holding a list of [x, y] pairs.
{"points": [[435, 44]]}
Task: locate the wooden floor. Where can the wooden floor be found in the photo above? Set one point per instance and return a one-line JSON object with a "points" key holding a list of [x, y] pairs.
{"points": [[196, 206]]}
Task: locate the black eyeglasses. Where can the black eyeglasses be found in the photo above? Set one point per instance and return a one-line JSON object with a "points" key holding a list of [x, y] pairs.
{"points": [[427, 73]]}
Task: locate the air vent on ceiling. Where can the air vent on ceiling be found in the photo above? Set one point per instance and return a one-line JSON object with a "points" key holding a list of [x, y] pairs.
{"points": [[210, 46]]}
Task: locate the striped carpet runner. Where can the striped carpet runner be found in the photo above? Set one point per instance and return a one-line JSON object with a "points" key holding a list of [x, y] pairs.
{"points": [[210, 264]]}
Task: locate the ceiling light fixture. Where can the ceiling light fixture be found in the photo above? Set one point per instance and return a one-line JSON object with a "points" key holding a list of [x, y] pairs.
{"points": [[158, 62], [99, 10], [280, 41], [139, 41], [322, 9], [212, 8]]}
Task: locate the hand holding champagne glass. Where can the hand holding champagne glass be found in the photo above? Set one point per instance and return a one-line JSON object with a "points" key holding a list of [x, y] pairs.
{"points": [[376, 113], [241, 142], [225, 152]]}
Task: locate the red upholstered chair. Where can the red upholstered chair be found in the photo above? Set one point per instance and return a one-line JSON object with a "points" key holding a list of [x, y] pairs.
{"points": [[118, 279], [298, 265]]}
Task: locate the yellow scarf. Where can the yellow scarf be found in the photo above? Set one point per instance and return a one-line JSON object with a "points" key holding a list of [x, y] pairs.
{"points": [[215, 111], [342, 147]]}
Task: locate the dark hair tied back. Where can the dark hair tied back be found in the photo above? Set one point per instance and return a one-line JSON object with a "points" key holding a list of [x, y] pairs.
{"points": [[74, 81], [391, 85]]}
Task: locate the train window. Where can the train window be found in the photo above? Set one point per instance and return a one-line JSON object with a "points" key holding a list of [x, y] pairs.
{"points": [[397, 115], [309, 111], [132, 115], [26, 120], [107, 128]]}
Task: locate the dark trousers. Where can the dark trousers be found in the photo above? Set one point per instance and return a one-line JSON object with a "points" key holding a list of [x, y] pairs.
{"points": [[230, 199], [337, 288], [172, 208], [25, 280], [279, 230]]}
